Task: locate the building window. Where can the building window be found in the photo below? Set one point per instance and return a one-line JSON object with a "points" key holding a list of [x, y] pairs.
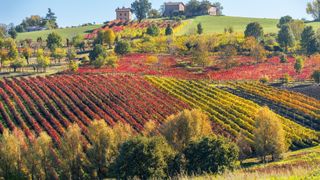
{"points": [[120, 14], [125, 14]]}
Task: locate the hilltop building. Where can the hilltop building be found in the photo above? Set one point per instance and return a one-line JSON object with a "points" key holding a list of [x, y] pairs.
{"points": [[173, 8], [124, 14]]}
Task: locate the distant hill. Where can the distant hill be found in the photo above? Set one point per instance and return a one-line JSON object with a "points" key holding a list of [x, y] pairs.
{"points": [[217, 24], [65, 33]]}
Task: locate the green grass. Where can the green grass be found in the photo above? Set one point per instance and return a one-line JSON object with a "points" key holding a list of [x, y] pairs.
{"points": [[217, 24], [300, 164], [65, 33]]}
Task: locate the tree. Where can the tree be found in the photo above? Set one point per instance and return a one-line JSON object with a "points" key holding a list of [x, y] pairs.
{"points": [[42, 61], [59, 53], [269, 136], [72, 154], [211, 155], [11, 147], [18, 63], [308, 41], [187, 126], [297, 27], [227, 55], [254, 29], [285, 37], [3, 30], [245, 149], [51, 20], [316, 76], [200, 54], [144, 158], [219, 8], [13, 33], [153, 14], [27, 53], [169, 30], [298, 66], [193, 8], [98, 50], [258, 53], [285, 20], [73, 66], [101, 152], [38, 157], [313, 8], [122, 48], [199, 29], [153, 30], [71, 54], [78, 42], [141, 8], [54, 40], [110, 37]]}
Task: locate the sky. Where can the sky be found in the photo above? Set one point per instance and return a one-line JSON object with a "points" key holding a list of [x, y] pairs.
{"points": [[76, 12]]}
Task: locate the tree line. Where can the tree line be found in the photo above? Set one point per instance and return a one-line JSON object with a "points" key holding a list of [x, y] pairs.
{"points": [[184, 143]]}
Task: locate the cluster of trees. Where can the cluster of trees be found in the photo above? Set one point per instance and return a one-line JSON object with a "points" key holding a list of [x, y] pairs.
{"points": [[199, 8], [184, 143], [143, 9], [49, 22], [187, 145]]}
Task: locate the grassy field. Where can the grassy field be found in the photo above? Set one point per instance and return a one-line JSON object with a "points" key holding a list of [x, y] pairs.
{"points": [[217, 24], [303, 164], [65, 33]]}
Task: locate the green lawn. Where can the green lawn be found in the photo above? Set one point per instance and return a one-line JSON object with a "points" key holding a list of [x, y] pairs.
{"points": [[217, 24], [65, 33]]}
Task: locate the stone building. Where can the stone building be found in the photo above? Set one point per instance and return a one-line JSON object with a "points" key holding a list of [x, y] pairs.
{"points": [[124, 14], [173, 8]]}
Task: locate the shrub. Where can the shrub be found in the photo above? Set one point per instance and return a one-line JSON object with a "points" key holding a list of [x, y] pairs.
{"points": [[98, 50], [264, 79], [283, 58], [122, 48], [73, 66], [211, 155], [316, 76], [285, 79], [142, 157], [153, 30], [298, 66]]}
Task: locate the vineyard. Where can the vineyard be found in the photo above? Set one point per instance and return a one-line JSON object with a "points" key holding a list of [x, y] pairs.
{"points": [[229, 112], [132, 28], [53, 103]]}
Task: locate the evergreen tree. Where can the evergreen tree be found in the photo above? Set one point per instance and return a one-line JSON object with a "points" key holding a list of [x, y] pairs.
{"points": [[309, 42]]}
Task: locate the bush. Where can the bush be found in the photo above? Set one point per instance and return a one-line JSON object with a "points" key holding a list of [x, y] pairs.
{"points": [[122, 48], [145, 158], [153, 30], [316, 76], [285, 79], [98, 50], [211, 155], [298, 66], [264, 80], [283, 58], [73, 66]]}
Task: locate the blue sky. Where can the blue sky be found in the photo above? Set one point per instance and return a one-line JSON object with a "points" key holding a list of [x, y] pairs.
{"points": [[75, 12]]}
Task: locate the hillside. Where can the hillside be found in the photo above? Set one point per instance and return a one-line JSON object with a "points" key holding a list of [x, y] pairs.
{"points": [[53, 103], [217, 24], [65, 33]]}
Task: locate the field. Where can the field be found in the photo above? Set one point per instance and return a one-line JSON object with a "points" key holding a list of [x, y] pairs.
{"points": [[217, 24], [64, 33], [247, 68], [52, 103]]}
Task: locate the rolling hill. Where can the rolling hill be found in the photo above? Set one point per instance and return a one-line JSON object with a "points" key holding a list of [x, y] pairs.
{"points": [[65, 32], [217, 24]]}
